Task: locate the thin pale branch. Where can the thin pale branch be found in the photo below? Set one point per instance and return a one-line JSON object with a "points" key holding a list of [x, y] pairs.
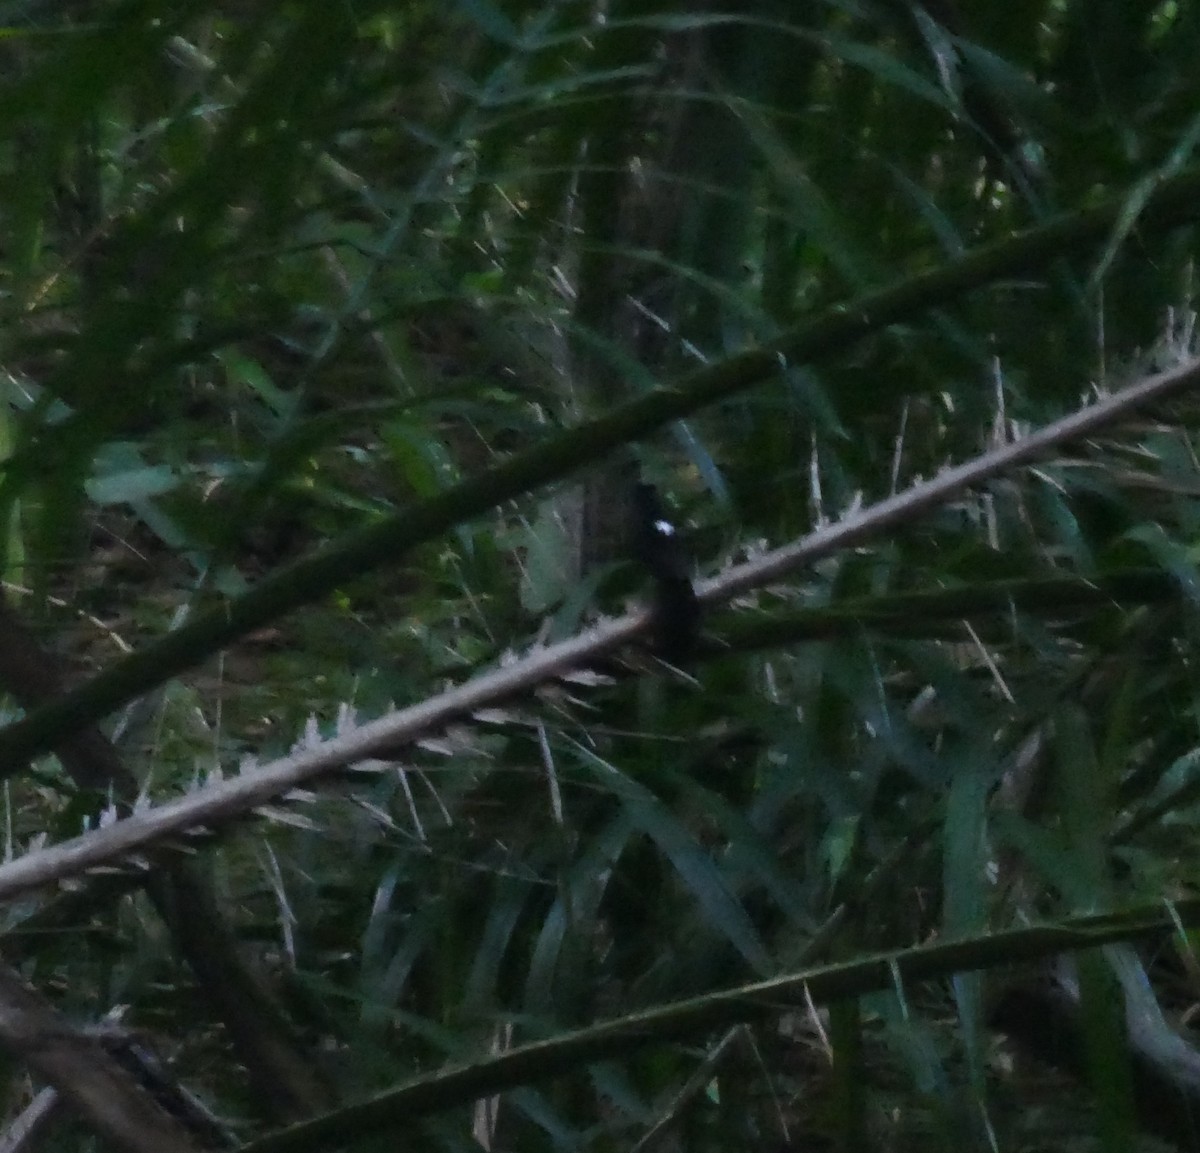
{"points": [[928, 494], [230, 799]]}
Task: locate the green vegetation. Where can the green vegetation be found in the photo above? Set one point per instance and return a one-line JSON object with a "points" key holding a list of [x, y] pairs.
{"points": [[336, 758]]}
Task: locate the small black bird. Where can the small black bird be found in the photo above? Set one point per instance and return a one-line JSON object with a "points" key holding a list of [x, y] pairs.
{"points": [[656, 545]]}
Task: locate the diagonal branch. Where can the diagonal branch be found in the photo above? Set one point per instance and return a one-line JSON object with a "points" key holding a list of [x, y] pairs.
{"points": [[355, 555], [228, 800], [87, 1078], [555, 1056], [928, 494]]}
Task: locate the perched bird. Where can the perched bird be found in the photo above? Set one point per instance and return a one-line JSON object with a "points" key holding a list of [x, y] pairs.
{"points": [[658, 548]]}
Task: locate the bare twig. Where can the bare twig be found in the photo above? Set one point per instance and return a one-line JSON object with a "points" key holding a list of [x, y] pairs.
{"points": [[227, 800]]}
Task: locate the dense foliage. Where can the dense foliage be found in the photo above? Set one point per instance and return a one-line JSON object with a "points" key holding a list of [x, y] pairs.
{"points": [[336, 338]]}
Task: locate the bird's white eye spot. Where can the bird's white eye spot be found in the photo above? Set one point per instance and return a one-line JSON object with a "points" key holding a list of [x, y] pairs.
{"points": [[664, 528]]}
